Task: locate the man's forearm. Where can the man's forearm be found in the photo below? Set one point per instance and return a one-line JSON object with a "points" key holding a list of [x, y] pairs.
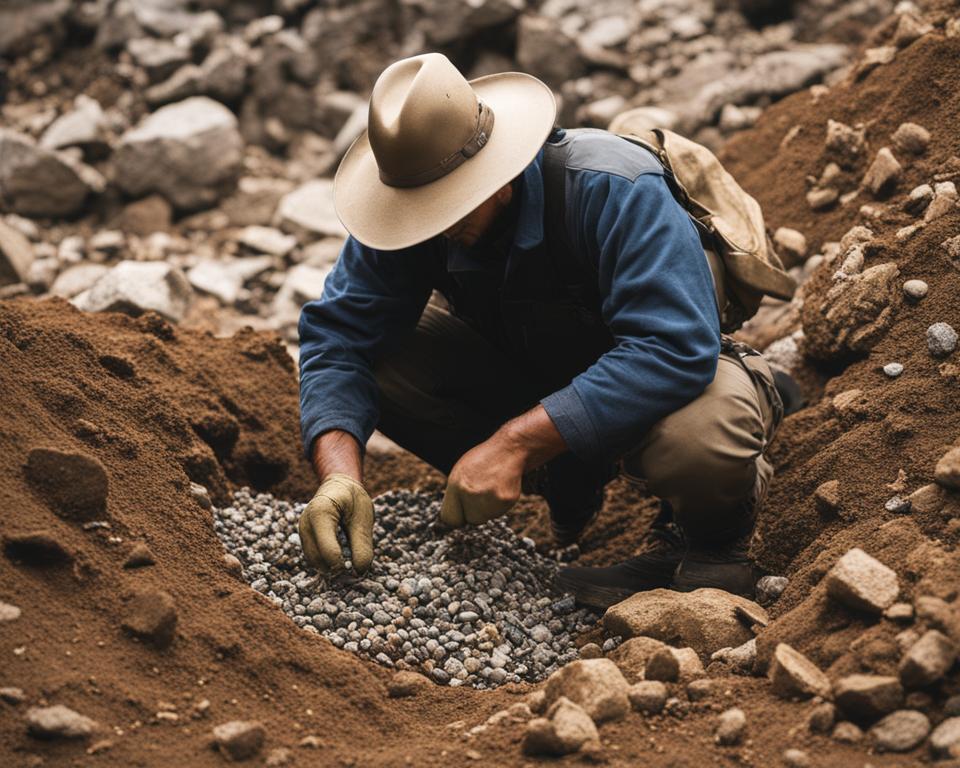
{"points": [[337, 452], [534, 436]]}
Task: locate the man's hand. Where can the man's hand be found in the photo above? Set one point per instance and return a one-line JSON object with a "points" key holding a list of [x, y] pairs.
{"points": [[485, 483], [340, 500]]}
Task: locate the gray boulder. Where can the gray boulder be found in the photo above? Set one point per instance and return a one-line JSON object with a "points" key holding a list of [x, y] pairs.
{"points": [[190, 152], [84, 126], [37, 182], [139, 286], [308, 212]]}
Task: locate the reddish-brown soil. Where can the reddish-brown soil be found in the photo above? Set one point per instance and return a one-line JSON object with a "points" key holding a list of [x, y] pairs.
{"points": [[159, 407]]}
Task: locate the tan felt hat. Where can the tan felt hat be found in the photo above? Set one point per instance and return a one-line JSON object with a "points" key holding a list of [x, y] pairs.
{"points": [[437, 146]]}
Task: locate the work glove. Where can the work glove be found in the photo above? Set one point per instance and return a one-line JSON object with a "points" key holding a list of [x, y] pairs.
{"points": [[461, 507], [340, 500]]}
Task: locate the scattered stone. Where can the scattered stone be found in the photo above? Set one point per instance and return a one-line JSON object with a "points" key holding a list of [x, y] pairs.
{"points": [[58, 722], [912, 138], [279, 756], [898, 506], [190, 152], [847, 733], [819, 199], [742, 658], [597, 685], [827, 497], [941, 339], [883, 173], [73, 484], [952, 248], [899, 612], [663, 665], [947, 471], [135, 287], [565, 730], [139, 556], [945, 739], [689, 663], [769, 589], [915, 289], [12, 695], [909, 29], [862, 582], [16, 255], [590, 651], [876, 57], [152, 616], [405, 684], [267, 240], [238, 739], [731, 727], [919, 198], [38, 182], [796, 758], [9, 612], [200, 494], [939, 207], [84, 126], [793, 675], [233, 565], [705, 619], [791, 244], [37, 548], [900, 731], [822, 717], [648, 696], [698, 690], [308, 213], [868, 697], [928, 660], [893, 371]]}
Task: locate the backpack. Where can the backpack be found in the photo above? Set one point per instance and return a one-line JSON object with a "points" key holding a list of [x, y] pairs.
{"points": [[728, 220]]}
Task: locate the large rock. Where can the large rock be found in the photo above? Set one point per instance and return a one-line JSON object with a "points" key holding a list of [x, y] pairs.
{"points": [[565, 729], [238, 739], [73, 484], [862, 582], [852, 313], [190, 152], [58, 722], [597, 685], [793, 675], [945, 739], [16, 255], [308, 212], [545, 51], [445, 22], [900, 731], [77, 279], [37, 182], [865, 698], [139, 286], [20, 20], [84, 126], [705, 620], [928, 660]]}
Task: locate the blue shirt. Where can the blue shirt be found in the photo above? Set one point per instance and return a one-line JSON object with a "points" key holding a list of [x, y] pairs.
{"points": [[656, 290]]}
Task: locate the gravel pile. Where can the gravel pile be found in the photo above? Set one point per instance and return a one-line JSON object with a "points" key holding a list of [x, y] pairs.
{"points": [[472, 606]]}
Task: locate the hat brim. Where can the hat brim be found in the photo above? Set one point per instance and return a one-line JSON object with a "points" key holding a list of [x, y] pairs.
{"points": [[391, 218]]}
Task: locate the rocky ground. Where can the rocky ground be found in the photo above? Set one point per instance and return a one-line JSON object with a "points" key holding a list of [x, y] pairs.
{"points": [[164, 168]]}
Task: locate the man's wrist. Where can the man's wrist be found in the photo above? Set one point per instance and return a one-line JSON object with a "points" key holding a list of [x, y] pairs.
{"points": [[532, 438], [337, 452]]}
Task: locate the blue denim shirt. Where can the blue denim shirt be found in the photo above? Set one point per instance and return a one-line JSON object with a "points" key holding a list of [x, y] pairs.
{"points": [[657, 300]]}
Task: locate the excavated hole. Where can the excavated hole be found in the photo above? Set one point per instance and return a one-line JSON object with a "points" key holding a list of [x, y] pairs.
{"points": [[467, 607]]}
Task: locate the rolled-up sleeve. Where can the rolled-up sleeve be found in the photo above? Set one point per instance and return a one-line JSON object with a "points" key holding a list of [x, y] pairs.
{"points": [[369, 298], [659, 304]]}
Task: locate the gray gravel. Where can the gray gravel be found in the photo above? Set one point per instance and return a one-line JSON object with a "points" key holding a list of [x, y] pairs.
{"points": [[467, 607]]}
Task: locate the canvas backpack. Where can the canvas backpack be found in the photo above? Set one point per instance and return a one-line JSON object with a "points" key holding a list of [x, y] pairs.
{"points": [[728, 220]]}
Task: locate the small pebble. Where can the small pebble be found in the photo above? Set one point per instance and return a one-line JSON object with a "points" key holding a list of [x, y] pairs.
{"points": [[898, 506], [915, 289], [796, 758], [893, 370], [731, 727], [769, 589]]}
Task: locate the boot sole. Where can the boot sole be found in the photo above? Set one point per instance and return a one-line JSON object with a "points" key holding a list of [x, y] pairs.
{"points": [[591, 595]]}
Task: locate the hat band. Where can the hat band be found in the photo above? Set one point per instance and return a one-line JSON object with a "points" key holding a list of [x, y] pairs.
{"points": [[478, 141]]}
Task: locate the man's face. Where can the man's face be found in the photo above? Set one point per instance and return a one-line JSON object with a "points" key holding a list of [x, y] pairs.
{"points": [[473, 226]]}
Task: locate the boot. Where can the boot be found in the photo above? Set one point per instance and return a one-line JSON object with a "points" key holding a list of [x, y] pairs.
{"points": [[724, 566], [568, 525], [602, 587]]}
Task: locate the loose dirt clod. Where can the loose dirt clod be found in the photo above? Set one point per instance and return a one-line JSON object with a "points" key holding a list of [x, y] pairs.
{"points": [[731, 727], [41, 549], [565, 729], [238, 739], [152, 616], [865, 698], [75, 485], [648, 696]]}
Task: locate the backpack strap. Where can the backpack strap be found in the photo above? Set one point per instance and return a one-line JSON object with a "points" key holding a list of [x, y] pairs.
{"points": [[578, 273]]}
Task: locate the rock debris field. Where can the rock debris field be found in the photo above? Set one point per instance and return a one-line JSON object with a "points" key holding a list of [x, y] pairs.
{"points": [[468, 607]]}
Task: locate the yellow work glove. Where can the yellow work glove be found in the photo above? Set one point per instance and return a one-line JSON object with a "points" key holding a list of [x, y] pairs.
{"points": [[340, 500], [461, 507]]}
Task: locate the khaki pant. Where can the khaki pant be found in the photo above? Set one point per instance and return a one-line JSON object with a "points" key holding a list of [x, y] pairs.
{"points": [[445, 389]]}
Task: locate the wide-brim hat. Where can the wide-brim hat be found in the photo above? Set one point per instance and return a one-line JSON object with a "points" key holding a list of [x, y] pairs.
{"points": [[436, 147]]}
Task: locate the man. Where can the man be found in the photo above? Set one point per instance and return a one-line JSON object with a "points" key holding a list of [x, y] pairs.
{"points": [[545, 370]]}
